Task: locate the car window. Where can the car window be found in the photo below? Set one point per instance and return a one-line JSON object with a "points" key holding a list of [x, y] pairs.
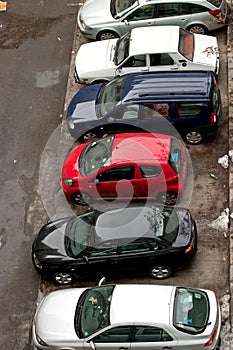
{"points": [[135, 247], [167, 10], [161, 59], [96, 155], [148, 334], [156, 110], [186, 44], [175, 160], [124, 172], [189, 109], [110, 97], [114, 335], [135, 61], [148, 171], [118, 7], [122, 49], [191, 310], [92, 311], [197, 9], [144, 12], [131, 112], [103, 251]]}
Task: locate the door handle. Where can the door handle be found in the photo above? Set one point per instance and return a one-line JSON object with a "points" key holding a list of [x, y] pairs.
{"points": [[167, 347]]}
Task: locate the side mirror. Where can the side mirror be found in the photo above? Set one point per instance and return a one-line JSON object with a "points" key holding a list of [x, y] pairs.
{"points": [[102, 281], [92, 345], [97, 181], [110, 119], [85, 258], [126, 22]]}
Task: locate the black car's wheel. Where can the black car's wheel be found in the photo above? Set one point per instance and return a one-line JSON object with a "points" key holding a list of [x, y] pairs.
{"points": [[194, 138], [81, 198], [160, 272], [63, 278], [90, 136], [168, 198], [197, 29], [106, 35]]}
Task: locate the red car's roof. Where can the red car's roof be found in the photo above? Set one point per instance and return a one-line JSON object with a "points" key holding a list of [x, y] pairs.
{"points": [[141, 147]]}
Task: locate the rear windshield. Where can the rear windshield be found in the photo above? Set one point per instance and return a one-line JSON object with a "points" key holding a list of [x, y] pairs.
{"points": [[186, 44], [119, 7], [216, 3], [191, 310]]}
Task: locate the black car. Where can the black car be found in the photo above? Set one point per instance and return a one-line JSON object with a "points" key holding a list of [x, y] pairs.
{"points": [[122, 241]]}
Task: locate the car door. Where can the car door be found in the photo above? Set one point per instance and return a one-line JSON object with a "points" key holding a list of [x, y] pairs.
{"points": [[172, 13], [163, 62], [150, 337], [140, 17], [117, 181], [152, 180], [113, 338], [136, 63]]}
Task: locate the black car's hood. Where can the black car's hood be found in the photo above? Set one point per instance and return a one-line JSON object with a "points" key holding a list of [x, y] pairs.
{"points": [[51, 239], [185, 228]]}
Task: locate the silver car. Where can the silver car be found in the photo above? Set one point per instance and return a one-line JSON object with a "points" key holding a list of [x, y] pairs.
{"points": [[108, 19], [128, 316]]}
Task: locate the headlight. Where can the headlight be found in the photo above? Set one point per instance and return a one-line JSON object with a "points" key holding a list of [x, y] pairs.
{"points": [[83, 24], [69, 182], [40, 341], [70, 124], [37, 262]]}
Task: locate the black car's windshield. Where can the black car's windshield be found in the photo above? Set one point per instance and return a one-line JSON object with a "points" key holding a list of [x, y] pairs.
{"points": [[92, 312], [191, 310], [122, 49], [164, 223], [78, 235], [119, 7], [110, 97], [95, 156]]}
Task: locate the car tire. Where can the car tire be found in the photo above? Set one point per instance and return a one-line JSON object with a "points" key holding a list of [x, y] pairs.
{"points": [[197, 29], [160, 272], [168, 198], [106, 35], [194, 137], [63, 278], [90, 136], [81, 198]]}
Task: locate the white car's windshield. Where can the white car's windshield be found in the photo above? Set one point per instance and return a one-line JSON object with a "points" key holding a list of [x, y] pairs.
{"points": [[191, 310], [120, 7], [186, 44], [110, 97], [92, 312], [122, 49]]}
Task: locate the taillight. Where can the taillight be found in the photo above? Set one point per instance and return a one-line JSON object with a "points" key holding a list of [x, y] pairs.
{"points": [[190, 247], [215, 13], [213, 118], [210, 341]]}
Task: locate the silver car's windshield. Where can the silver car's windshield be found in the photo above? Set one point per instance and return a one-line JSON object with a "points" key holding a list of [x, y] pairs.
{"points": [[92, 312], [120, 7], [95, 156], [122, 49], [191, 310], [110, 97]]}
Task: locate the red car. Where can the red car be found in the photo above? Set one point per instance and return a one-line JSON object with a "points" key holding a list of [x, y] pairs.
{"points": [[126, 166]]}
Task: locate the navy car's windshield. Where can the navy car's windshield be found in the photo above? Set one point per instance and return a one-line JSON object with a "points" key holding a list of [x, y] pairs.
{"points": [[95, 156], [78, 234], [119, 7], [110, 97], [92, 312], [191, 310], [122, 49]]}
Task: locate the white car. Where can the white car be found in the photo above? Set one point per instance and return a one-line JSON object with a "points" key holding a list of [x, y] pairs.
{"points": [[133, 316], [162, 48]]}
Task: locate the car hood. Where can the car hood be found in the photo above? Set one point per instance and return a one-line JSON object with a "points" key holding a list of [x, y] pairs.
{"points": [[94, 57], [51, 239], [54, 319], [83, 104], [184, 234], [206, 50], [96, 12]]}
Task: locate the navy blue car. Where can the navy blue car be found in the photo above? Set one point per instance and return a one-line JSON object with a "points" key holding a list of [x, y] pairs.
{"points": [[178, 103]]}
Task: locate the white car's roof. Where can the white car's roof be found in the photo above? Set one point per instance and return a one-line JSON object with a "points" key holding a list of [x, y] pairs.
{"points": [[159, 39], [141, 303]]}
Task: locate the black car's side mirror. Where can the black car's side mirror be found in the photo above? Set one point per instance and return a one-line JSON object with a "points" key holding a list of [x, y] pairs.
{"points": [[85, 258]]}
